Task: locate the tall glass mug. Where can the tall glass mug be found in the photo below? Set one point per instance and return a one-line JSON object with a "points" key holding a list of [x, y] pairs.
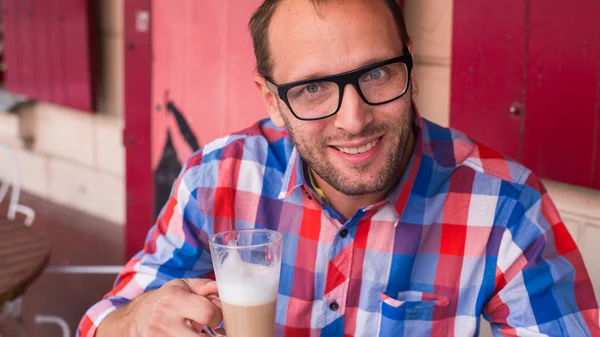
{"points": [[247, 265]]}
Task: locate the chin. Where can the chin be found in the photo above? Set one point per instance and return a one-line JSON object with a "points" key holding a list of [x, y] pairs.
{"points": [[358, 183]]}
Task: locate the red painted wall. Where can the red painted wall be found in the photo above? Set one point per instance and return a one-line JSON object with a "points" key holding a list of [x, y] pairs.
{"points": [[202, 85], [203, 64], [545, 57]]}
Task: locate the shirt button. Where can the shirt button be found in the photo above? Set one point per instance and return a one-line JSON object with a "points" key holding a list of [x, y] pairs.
{"points": [[308, 195], [334, 306], [344, 233]]}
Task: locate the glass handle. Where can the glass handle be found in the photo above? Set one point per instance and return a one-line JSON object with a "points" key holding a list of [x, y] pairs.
{"points": [[213, 332]]}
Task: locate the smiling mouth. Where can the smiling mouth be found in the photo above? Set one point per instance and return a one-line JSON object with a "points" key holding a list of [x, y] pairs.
{"points": [[358, 150]]}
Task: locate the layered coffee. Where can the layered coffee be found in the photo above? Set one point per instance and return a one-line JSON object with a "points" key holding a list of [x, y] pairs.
{"points": [[248, 295], [249, 321]]}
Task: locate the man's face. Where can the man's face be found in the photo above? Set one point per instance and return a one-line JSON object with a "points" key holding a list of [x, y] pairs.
{"points": [[360, 150]]}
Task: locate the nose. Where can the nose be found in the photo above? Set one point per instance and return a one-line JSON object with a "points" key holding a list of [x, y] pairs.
{"points": [[354, 113]]}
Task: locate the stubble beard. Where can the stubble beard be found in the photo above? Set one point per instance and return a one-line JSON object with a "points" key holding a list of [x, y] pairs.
{"points": [[356, 184]]}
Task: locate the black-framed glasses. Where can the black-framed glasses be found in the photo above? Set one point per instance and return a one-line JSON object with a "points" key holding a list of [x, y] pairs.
{"points": [[319, 98]]}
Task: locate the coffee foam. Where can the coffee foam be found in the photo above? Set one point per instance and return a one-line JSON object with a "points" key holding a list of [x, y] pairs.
{"points": [[245, 284], [248, 295]]}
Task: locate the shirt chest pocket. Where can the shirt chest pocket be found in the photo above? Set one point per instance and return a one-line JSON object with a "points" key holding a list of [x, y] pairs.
{"points": [[414, 314]]}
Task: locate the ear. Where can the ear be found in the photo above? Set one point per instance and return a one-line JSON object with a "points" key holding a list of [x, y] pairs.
{"points": [[413, 74], [270, 100]]}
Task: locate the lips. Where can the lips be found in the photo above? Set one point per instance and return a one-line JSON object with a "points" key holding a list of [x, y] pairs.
{"points": [[358, 150]]}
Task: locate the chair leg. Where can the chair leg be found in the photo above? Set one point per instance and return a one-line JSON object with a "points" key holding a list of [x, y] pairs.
{"points": [[5, 313], [15, 309], [21, 327], [55, 320]]}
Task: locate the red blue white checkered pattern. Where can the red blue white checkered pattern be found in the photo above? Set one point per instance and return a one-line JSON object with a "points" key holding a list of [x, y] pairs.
{"points": [[467, 232]]}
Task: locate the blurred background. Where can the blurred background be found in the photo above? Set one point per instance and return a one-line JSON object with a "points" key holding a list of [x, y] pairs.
{"points": [[102, 100]]}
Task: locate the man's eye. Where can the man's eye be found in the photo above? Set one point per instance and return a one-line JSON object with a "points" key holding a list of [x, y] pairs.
{"points": [[312, 88], [376, 74]]}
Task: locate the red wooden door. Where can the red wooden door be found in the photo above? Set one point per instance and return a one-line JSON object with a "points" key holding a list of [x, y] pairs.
{"points": [[562, 90], [525, 80], [48, 50], [487, 71], [138, 112]]}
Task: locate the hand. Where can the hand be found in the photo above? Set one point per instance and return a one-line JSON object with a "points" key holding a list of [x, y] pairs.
{"points": [[179, 308]]}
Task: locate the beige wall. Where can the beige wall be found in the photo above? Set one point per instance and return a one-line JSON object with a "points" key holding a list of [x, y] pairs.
{"points": [[76, 158], [429, 23]]}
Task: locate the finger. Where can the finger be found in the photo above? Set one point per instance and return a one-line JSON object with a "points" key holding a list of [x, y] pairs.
{"points": [[189, 282], [198, 309], [174, 329], [202, 287], [182, 330]]}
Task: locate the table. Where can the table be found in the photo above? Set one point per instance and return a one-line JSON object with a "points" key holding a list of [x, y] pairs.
{"points": [[24, 253]]}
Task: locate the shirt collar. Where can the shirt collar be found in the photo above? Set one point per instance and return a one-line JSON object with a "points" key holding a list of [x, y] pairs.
{"points": [[292, 178], [398, 197]]}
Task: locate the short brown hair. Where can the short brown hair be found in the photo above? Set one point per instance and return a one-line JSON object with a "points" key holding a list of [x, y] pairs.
{"points": [[259, 29]]}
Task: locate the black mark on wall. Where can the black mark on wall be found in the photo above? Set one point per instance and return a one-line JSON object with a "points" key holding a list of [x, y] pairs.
{"points": [[169, 166]]}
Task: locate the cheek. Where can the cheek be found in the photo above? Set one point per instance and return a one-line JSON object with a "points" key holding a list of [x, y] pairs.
{"points": [[309, 136], [309, 130], [396, 112]]}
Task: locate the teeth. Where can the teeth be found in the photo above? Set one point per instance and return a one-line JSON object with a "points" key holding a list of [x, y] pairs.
{"points": [[357, 150]]}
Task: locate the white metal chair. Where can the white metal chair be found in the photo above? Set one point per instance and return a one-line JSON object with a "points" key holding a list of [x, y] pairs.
{"points": [[97, 270], [10, 177]]}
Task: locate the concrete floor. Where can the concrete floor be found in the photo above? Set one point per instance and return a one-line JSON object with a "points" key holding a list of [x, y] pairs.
{"points": [[76, 239]]}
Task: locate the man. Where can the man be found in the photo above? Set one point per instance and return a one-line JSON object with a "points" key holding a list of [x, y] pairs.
{"points": [[393, 226]]}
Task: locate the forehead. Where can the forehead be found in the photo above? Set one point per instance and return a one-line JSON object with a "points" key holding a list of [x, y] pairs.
{"points": [[334, 37]]}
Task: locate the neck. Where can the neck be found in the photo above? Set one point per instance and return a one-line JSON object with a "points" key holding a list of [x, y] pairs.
{"points": [[349, 205]]}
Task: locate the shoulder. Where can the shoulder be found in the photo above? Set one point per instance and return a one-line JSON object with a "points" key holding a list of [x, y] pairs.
{"points": [[504, 186], [451, 149], [488, 189], [248, 154]]}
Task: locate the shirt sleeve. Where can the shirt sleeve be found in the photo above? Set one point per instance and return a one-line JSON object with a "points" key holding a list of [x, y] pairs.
{"points": [[175, 247], [542, 287]]}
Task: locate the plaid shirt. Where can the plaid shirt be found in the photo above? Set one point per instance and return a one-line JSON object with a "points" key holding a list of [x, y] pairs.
{"points": [[466, 232]]}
